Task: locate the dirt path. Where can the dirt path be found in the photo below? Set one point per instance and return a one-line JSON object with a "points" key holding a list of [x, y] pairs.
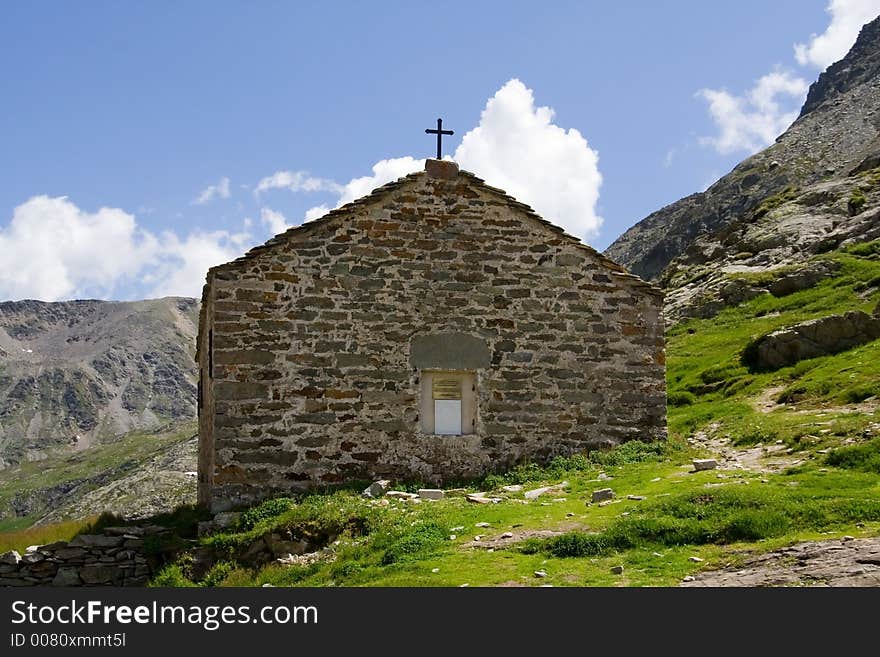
{"points": [[758, 458], [854, 562]]}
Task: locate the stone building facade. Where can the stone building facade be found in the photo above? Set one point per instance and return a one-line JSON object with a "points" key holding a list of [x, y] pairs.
{"points": [[434, 330]]}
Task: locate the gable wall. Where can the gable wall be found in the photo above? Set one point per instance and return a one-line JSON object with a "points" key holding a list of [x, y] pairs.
{"points": [[313, 383]]}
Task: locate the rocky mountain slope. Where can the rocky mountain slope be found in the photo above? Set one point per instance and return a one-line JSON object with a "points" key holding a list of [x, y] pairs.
{"points": [[837, 134], [76, 373]]}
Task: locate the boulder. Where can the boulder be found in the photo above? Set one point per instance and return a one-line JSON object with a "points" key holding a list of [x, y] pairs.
{"points": [[378, 488], [704, 464], [803, 278], [811, 339], [602, 495]]}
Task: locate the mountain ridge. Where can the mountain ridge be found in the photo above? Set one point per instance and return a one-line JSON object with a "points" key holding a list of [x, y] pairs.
{"points": [[837, 132]]}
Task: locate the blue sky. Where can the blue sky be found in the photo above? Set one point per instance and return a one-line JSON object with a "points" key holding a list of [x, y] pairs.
{"points": [[134, 135]]}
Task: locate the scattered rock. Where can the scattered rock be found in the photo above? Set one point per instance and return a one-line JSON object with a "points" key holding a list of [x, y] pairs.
{"points": [[695, 559], [452, 537], [478, 537], [617, 570], [704, 464], [688, 578], [458, 529], [637, 498], [848, 538], [540, 573], [513, 488], [537, 492], [602, 495], [482, 524], [435, 570], [378, 488], [604, 477], [480, 498], [507, 535], [400, 495], [656, 554], [431, 494]]}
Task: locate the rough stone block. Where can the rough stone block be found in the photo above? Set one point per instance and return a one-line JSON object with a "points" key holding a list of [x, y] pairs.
{"points": [[431, 494], [704, 464], [602, 495]]}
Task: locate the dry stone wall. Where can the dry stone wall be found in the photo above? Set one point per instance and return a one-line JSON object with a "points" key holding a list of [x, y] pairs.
{"points": [[307, 344], [115, 557]]}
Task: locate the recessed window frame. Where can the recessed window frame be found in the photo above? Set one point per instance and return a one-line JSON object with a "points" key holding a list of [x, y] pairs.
{"points": [[429, 393]]}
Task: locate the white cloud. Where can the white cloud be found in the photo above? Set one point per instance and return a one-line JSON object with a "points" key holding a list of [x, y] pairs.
{"points": [[220, 190], [517, 147], [297, 181], [275, 221], [753, 120], [847, 18], [181, 264], [104, 254], [316, 212]]}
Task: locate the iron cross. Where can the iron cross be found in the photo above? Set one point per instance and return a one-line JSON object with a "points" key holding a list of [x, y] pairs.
{"points": [[439, 132]]}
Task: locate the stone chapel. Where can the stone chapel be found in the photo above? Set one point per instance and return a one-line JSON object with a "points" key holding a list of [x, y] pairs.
{"points": [[434, 330]]}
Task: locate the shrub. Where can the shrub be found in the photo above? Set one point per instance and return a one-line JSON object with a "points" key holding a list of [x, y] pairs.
{"points": [[172, 575], [682, 398], [864, 456], [218, 573], [268, 509], [856, 202]]}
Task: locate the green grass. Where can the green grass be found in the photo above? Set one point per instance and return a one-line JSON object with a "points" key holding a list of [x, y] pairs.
{"points": [[20, 539]]}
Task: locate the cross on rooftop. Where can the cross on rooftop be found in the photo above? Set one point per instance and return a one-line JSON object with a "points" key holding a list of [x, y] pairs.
{"points": [[439, 132]]}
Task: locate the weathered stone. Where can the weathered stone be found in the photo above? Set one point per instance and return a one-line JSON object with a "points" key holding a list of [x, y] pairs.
{"points": [[811, 339], [67, 576], [400, 495], [616, 570], [637, 498], [100, 574], [513, 488], [378, 488], [704, 464], [95, 540], [540, 573], [602, 495], [458, 351], [12, 557], [431, 494], [226, 519]]}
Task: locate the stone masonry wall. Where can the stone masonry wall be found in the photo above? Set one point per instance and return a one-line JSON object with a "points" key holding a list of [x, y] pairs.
{"points": [[313, 383], [114, 557]]}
